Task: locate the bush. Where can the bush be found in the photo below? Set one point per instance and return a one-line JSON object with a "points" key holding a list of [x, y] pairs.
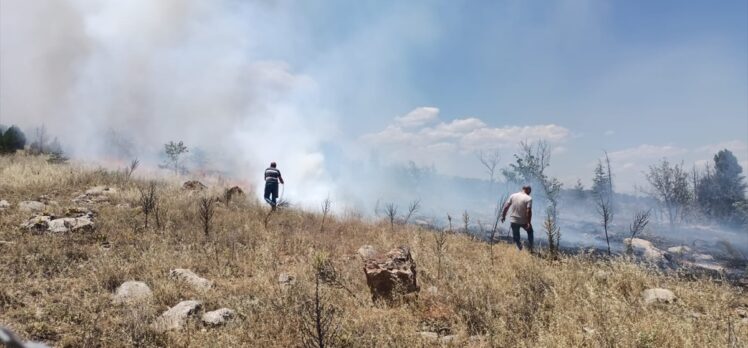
{"points": [[12, 139]]}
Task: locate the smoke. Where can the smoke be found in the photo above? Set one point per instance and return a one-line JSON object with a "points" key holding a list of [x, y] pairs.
{"points": [[155, 71]]}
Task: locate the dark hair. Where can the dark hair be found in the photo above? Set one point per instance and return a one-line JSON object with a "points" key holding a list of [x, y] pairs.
{"points": [[273, 165], [526, 188]]}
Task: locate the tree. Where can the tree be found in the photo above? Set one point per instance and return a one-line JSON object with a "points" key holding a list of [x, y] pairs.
{"points": [[602, 191], [529, 167], [670, 187], [578, 190], [490, 160], [720, 190], [174, 152], [12, 139], [40, 144]]}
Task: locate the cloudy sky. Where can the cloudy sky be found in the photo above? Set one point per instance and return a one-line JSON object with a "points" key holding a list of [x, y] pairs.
{"points": [[315, 82]]}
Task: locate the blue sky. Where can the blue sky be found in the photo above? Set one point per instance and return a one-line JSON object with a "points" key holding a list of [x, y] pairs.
{"points": [[428, 81], [640, 79]]}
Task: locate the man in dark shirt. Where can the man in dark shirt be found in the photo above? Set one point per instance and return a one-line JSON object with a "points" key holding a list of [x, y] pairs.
{"points": [[272, 178]]}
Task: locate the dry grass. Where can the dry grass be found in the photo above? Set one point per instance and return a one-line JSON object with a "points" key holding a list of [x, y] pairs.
{"points": [[57, 288]]}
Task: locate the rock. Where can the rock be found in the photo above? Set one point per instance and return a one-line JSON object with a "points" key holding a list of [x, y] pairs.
{"points": [[176, 317], [644, 248], [429, 335], [367, 252], [101, 190], [658, 295], [218, 317], [98, 194], [4, 204], [39, 223], [448, 338], [432, 290], [235, 191], [10, 340], [31, 206], [132, 292], [286, 280], [189, 277], [395, 270], [601, 275], [679, 250], [193, 185], [77, 221]]}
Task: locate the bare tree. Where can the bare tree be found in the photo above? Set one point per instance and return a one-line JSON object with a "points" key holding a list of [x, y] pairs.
{"points": [[413, 208], [553, 231], [326, 205], [641, 220], [206, 209], [440, 243], [148, 200], [390, 210], [465, 222], [131, 168], [490, 160], [606, 213], [319, 323]]}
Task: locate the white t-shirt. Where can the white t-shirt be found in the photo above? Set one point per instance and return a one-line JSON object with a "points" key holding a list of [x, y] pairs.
{"points": [[520, 204]]}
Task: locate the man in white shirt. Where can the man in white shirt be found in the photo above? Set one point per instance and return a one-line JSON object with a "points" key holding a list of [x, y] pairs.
{"points": [[520, 205]]}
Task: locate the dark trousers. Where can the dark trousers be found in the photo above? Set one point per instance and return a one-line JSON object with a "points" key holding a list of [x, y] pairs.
{"points": [[515, 234], [271, 192]]}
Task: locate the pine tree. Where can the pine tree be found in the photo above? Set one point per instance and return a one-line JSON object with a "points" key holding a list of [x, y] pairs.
{"points": [[722, 188], [12, 139]]}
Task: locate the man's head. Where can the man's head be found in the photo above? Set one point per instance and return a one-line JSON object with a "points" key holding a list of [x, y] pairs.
{"points": [[273, 165], [527, 189]]}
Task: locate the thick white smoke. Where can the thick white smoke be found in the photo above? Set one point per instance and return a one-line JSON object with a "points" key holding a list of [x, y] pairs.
{"points": [[156, 71]]}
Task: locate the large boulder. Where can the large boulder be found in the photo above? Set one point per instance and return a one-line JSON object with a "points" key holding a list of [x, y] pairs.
{"points": [[195, 281], [193, 185], [75, 220], [176, 317], [646, 250], [658, 295], [31, 206], [132, 292], [218, 317], [390, 274]]}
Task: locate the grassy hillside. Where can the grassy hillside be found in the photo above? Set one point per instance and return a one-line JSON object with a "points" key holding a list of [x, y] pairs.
{"points": [[57, 287]]}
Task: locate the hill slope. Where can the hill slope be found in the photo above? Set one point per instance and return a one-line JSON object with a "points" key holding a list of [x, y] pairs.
{"points": [[58, 287]]}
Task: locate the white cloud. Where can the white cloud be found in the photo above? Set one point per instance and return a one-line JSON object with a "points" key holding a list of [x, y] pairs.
{"points": [[421, 136], [418, 117]]}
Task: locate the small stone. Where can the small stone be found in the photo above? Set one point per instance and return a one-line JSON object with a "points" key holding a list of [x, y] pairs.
{"points": [[448, 338], [286, 279], [131, 292], [679, 250], [432, 290], [31, 206], [4, 204], [429, 335], [218, 317], [367, 252], [658, 295], [176, 317], [195, 281]]}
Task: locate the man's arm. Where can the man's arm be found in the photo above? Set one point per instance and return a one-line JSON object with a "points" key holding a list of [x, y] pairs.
{"points": [[280, 178], [529, 217], [506, 209]]}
